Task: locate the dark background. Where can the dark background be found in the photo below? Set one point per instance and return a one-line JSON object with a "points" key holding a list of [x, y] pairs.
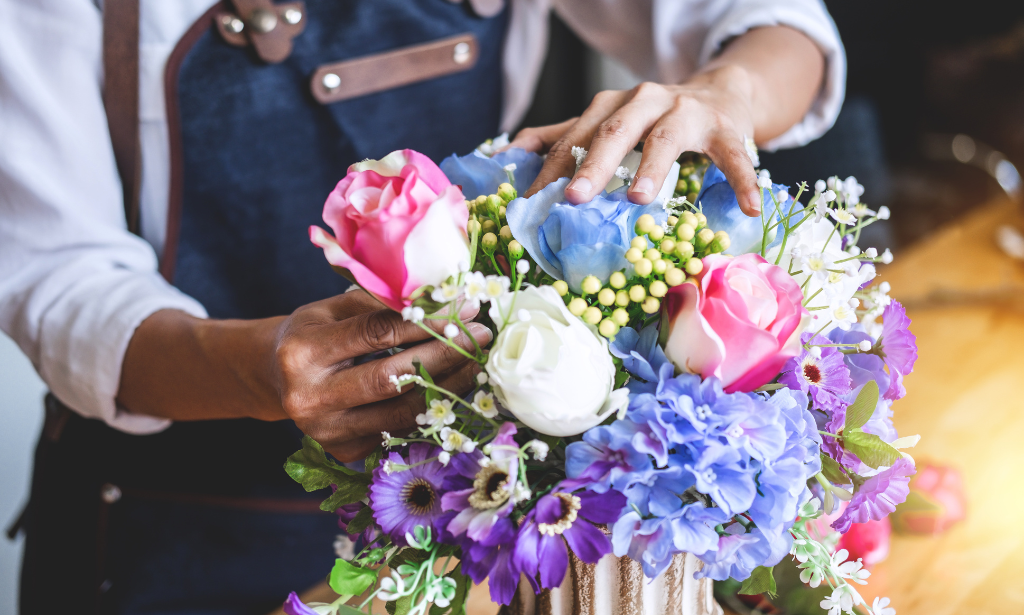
{"points": [[919, 72]]}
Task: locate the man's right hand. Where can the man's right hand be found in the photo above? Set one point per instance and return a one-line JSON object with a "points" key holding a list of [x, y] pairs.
{"points": [[303, 367]]}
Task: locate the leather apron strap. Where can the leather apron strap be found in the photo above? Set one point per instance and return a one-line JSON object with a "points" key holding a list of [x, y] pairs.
{"points": [[121, 98]]}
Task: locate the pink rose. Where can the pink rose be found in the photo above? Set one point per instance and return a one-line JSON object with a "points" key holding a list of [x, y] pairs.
{"points": [[398, 224], [740, 323], [936, 502]]}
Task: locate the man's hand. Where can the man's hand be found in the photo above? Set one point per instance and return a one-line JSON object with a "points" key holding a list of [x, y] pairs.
{"points": [[345, 406], [302, 367], [761, 84]]}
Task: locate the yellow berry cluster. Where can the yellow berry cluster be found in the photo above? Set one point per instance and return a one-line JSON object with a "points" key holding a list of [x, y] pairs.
{"points": [[659, 259], [487, 220]]}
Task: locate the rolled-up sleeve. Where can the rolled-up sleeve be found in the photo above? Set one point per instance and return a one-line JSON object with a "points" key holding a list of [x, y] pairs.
{"points": [[74, 283], [669, 40]]}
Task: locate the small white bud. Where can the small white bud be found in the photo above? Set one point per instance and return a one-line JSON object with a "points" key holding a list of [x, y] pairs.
{"points": [[522, 267], [451, 330], [782, 196], [864, 346], [885, 287], [764, 182], [510, 167], [886, 257], [853, 251], [831, 182], [829, 195], [764, 174], [481, 378], [883, 213], [417, 314], [871, 252], [816, 352], [819, 186], [622, 173], [444, 457], [854, 303]]}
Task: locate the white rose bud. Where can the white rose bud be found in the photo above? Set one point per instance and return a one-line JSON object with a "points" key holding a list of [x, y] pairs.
{"points": [[551, 371]]}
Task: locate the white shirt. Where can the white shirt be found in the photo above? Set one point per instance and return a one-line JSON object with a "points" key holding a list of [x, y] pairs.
{"points": [[75, 284]]}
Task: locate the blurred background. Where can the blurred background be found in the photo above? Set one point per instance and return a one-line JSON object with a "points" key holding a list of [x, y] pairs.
{"points": [[934, 111]]}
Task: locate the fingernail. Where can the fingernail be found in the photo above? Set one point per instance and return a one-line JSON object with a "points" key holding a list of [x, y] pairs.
{"points": [[644, 185], [480, 331], [468, 311], [755, 200], [581, 185]]}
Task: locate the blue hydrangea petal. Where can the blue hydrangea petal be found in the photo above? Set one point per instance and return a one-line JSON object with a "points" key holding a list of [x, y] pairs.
{"points": [[528, 165], [476, 173], [717, 201], [525, 217]]}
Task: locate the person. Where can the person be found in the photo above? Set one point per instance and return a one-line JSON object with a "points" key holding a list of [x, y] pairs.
{"points": [[194, 354]]}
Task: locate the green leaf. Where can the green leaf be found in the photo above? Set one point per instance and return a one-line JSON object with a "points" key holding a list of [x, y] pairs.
{"points": [[402, 606], [347, 579], [361, 521], [833, 471], [871, 449], [861, 410], [373, 459], [346, 494], [431, 394], [344, 609], [760, 581], [311, 468]]}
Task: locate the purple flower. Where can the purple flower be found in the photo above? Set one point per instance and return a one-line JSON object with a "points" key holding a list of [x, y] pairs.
{"points": [[605, 457], [481, 495], [641, 356], [898, 348], [654, 541], [402, 500], [492, 559], [294, 606], [878, 496], [347, 513], [562, 517], [739, 552], [825, 377]]}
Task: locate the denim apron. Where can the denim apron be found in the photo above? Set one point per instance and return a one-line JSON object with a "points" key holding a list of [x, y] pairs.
{"points": [[201, 518]]}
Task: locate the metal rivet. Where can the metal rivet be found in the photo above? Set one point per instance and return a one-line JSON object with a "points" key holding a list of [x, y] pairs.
{"points": [[462, 53], [293, 16], [331, 81], [232, 23], [110, 493], [263, 21]]}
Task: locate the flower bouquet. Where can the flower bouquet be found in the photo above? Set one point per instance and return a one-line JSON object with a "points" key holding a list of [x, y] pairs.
{"points": [[675, 378]]}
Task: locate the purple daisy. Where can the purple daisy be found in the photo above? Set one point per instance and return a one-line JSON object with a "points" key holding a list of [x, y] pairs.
{"points": [[482, 494], [492, 559], [402, 500], [826, 377], [562, 517], [898, 348], [878, 496]]}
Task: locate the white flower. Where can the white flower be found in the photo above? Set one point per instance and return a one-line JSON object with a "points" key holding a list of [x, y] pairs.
{"points": [[488, 149], [803, 550], [510, 167], [385, 439], [843, 216], [391, 587], [751, 148], [452, 440], [829, 196], [852, 190], [817, 265], [523, 267], [496, 286], [883, 213], [520, 492], [871, 253], [539, 449], [622, 173], [812, 576], [444, 457], [445, 293], [552, 372], [386, 466], [881, 607], [413, 314], [841, 600], [842, 314], [451, 330], [579, 154], [483, 402], [860, 210], [475, 287], [438, 413]]}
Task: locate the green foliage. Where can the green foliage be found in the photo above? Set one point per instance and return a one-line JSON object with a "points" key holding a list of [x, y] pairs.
{"points": [[402, 606], [373, 459], [344, 609], [858, 413], [311, 468], [361, 521], [431, 394], [871, 449], [347, 579], [833, 471], [760, 581]]}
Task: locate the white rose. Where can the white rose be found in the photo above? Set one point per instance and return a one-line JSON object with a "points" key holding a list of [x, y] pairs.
{"points": [[547, 367]]}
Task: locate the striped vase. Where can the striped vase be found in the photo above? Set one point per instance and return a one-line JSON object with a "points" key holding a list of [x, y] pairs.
{"points": [[617, 586]]}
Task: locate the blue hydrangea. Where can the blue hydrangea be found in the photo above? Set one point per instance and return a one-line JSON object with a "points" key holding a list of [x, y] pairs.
{"points": [[718, 202], [481, 175], [690, 458]]}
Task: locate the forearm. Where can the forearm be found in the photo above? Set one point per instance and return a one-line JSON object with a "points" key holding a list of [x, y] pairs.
{"points": [[778, 69], [185, 368]]}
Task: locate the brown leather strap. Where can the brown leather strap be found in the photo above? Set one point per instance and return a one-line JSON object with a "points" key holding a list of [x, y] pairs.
{"points": [[121, 97]]}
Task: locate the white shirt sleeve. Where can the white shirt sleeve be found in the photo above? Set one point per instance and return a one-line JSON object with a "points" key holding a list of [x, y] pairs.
{"points": [[74, 283], [669, 40]]}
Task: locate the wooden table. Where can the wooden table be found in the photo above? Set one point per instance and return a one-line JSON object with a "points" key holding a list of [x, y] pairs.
{"points": [[966, 399], [965, 299]]}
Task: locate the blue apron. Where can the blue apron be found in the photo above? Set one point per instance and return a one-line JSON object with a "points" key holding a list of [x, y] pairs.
{"points": [[201, 518]]}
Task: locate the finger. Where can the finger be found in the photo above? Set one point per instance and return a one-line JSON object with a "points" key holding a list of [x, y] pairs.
{"points": [[670, 136], [400, 413], [372, 381], [540, 138], [727, 151], [560, 161]]}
